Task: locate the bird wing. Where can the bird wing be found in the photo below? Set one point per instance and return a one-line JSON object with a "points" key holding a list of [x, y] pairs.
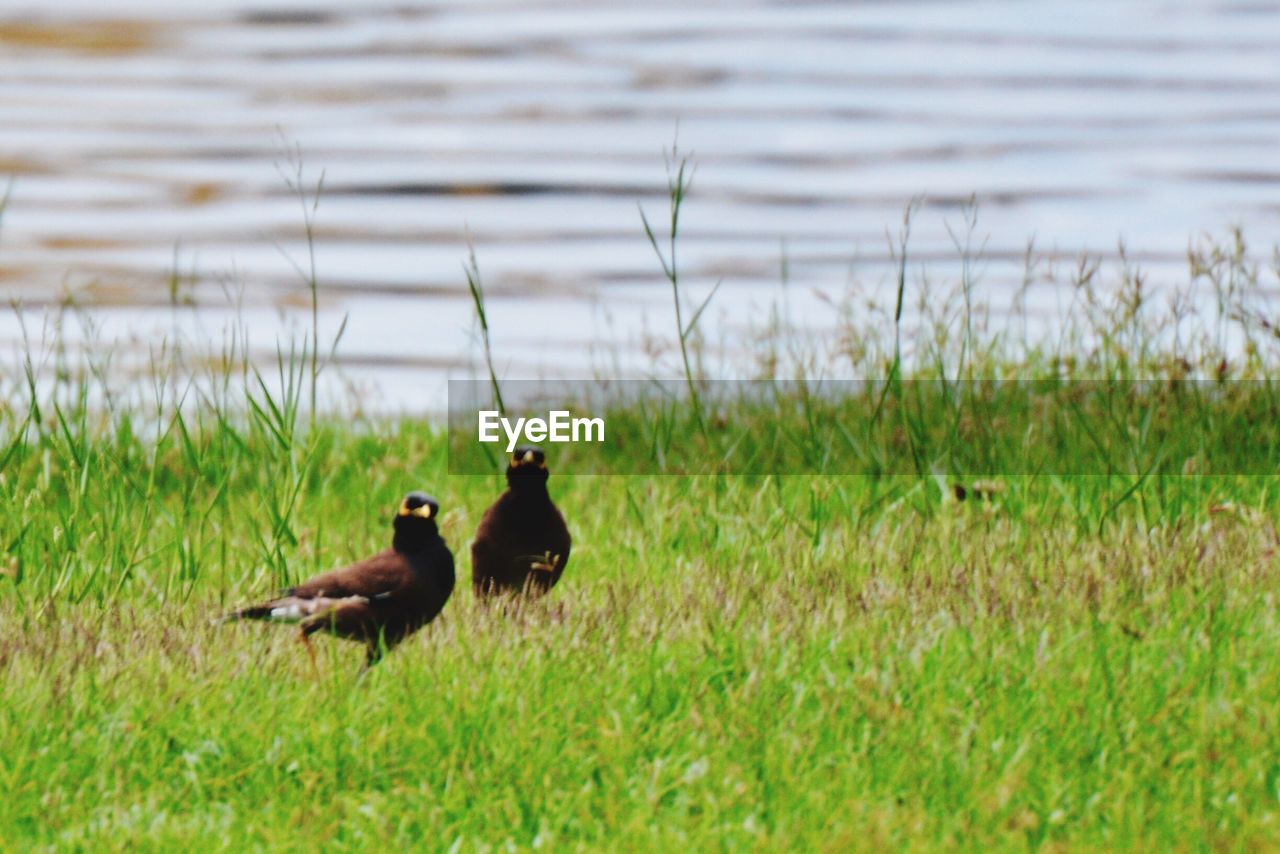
{"points": [[354, 615], [357, 585], [379, 575]]}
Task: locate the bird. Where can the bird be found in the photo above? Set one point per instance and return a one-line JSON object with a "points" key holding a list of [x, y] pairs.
{"points": [[522, 543], [380, 600]]}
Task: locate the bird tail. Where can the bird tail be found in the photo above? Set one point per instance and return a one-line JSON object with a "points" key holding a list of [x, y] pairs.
{"points": [[253, 612]]}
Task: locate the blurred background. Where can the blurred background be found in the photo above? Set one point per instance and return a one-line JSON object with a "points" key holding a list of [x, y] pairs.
{"points": [[163, 160]]}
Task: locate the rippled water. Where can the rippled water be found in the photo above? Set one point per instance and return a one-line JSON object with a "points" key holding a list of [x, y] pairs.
{"points": [[154, 140]]}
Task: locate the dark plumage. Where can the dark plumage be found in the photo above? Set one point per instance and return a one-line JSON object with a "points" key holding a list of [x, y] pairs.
{"points": [[522, 544], [382, 599]]}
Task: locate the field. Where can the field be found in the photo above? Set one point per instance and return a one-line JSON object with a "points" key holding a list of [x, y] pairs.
{"points": [[756, 661], [908, 659]]}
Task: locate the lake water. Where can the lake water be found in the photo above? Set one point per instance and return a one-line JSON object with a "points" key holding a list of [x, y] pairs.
{"points": [[154, 140]]}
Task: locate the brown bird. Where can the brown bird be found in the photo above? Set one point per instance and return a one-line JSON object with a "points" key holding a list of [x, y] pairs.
{"points": [[382, 599], [522, 544]]}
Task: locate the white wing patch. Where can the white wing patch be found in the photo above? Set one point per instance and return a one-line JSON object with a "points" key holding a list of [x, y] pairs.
{"points": [[295, 609]]}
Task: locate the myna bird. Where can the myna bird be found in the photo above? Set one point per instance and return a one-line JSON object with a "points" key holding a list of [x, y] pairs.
{"points": [[382, 599], [522, 544]]}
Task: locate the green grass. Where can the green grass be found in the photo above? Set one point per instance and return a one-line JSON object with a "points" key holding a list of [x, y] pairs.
{"points": [[755, 661], [730, 661]]}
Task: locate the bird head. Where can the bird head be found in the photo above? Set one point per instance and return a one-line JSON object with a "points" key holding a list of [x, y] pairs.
{"points": [[528, 465], [417, 510]]}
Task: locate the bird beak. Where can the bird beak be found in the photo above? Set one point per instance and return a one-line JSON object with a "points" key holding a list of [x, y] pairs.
{"points": [[527, 458]]}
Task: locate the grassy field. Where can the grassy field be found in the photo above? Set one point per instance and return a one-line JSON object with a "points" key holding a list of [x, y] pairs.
{"points": [[757, 661], [752, 661]]}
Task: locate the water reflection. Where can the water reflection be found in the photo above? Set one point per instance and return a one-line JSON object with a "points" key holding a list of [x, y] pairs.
{"points": [[147, 149]]}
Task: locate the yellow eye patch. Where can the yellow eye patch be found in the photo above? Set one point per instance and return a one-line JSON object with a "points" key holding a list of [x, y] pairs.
{"points": [[529, 457]]}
